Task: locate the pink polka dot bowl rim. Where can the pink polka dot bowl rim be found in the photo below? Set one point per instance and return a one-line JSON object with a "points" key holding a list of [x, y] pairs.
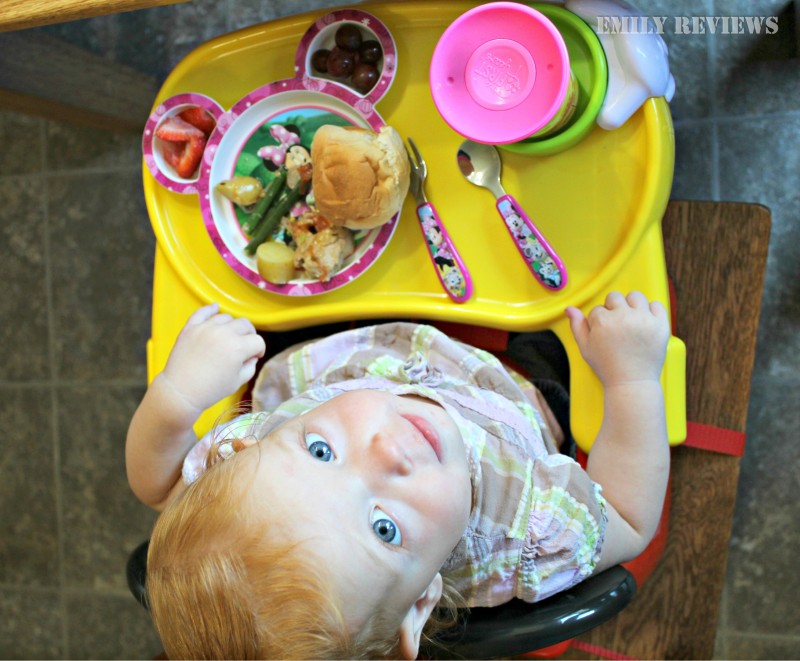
{"points": [[305, 94]]}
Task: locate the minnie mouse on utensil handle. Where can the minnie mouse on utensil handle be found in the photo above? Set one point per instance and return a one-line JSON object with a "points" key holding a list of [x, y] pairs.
{"points": [[449, 267], [541, 259]]}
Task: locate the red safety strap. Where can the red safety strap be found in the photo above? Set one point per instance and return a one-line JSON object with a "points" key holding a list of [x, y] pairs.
{"points": [[698, 435], [602, 652], [714, 439]]}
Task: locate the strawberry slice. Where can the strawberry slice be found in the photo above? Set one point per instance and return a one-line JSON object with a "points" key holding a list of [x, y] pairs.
{"points": [[199, 118], [190, 157], [172, 152], [183, 145], [175, 129]]}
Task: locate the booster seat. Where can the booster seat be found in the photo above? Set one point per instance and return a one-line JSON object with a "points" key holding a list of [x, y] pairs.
{"points": [[543, 629], [602, 201]]}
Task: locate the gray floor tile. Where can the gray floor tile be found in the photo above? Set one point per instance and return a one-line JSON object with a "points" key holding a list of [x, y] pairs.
{"points": [[762, 580], [103, 521], [72, 147], [109, 627], [761, 87], [689, 57], [758, 72], [102, 265], [21, 137], [203, 20], [24, 352], [694, 162], [31, 625], [778, 337], [28, 514], [192, 24], [762, 647], [758, 160], [244, 13], [137, 39]]}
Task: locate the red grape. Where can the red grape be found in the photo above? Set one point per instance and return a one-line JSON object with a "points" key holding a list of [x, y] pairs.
{"points": [[319, 60], [348, 37], [370, 51], [340, 62], [364, 77]]}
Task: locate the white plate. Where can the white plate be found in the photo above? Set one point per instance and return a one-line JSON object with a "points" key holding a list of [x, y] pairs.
{"points": [[305, 102]]}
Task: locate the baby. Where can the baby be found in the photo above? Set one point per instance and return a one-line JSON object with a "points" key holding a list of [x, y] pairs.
{"points": [[385, 476]]}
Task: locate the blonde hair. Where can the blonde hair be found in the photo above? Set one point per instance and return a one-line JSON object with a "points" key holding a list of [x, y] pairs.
{"points": [[217, 587]]}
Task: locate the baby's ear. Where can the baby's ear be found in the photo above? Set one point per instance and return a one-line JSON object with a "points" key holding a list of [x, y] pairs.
{"points": [[417, 616]]}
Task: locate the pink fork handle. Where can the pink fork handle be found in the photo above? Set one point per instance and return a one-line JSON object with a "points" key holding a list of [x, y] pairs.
{"points": [[449, 266], [542, 260]]}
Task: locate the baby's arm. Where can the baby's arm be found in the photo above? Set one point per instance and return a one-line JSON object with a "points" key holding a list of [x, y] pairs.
{"points": [[213, 356], [625, 343]]}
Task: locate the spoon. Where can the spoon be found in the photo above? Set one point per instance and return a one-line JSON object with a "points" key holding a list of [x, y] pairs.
{"points": [[480, 164]]}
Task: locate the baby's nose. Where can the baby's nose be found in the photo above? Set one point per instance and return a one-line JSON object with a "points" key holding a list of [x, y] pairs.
{"points": [[389, 455]]}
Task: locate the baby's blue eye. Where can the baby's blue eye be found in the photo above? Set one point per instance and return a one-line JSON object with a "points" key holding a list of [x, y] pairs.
{"points": [[386, 529], [318, 447]]}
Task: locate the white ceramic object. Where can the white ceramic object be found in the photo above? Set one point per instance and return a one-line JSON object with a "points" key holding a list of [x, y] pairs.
{"points": [[638, 66]]}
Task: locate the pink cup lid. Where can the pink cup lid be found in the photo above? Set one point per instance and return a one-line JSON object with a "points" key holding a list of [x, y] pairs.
{"points": [[499, 73]]}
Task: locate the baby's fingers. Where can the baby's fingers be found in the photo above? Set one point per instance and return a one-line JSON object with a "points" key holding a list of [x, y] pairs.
{"points": [[615, 300], [658, 310], [637, 299], [221, 318], [578, 324], [248, 370], [256, 345], [202, 314], [243, 326]]}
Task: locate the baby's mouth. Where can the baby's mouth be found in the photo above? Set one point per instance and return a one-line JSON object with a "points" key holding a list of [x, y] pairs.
{"points": [[428, 433]]}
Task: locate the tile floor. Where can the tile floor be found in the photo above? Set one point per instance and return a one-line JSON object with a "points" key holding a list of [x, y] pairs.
{"points": [[75, 308]]}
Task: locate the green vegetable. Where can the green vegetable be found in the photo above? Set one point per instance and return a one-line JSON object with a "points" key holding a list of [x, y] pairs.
{"points": [[253, 219], [260, 172], [271, 220], [246, 164]]}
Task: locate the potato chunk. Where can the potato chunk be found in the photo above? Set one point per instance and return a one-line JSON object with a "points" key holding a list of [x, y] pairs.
{"points": [[275, 262]]}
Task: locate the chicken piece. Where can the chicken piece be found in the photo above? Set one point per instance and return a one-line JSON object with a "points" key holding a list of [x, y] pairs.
{"points": [[298, 166], [321, 246]]}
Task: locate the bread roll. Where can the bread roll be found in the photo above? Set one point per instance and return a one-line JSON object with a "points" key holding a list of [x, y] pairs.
{"points": [[360, 177]]}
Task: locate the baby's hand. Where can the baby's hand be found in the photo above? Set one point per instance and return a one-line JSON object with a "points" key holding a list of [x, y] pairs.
{"points": [[624, 340], [213, 356]]}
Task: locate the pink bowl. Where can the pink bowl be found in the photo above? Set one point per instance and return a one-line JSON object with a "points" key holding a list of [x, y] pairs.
{"points": [[500, 73]]}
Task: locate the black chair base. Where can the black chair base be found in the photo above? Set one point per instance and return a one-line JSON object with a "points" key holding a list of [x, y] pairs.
{"points": [[136, 572], [518, 627]]}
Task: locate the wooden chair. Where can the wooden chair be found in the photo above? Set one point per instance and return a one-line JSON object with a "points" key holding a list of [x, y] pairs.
{"points": [[716, 255], [23, 14]]}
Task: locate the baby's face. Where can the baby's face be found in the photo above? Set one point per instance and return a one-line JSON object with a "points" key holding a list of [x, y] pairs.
{"points": [[376, 487]]}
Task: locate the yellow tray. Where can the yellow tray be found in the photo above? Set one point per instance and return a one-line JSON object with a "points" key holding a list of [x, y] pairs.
{"points": [[599, 203]]}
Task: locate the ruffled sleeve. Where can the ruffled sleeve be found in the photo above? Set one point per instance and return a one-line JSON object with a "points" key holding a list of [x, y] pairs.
{"points": [[566, 526], [244, 426]]}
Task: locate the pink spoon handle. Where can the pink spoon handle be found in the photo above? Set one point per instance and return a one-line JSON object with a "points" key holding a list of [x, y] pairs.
{"points": [[449, 267], [542, 260]]}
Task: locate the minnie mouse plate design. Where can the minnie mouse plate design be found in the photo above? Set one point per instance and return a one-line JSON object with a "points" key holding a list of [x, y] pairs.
{"points": [[254, 134], [254, 137]]}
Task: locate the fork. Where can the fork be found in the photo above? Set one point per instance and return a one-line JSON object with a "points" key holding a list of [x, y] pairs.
{"points": [[449, 266]]}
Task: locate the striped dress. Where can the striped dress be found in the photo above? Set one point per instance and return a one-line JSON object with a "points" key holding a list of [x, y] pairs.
{"points": [[537, 520]]}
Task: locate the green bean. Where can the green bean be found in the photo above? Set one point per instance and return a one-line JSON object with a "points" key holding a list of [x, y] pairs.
{"points": [[274, 187], [271, 220]]}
